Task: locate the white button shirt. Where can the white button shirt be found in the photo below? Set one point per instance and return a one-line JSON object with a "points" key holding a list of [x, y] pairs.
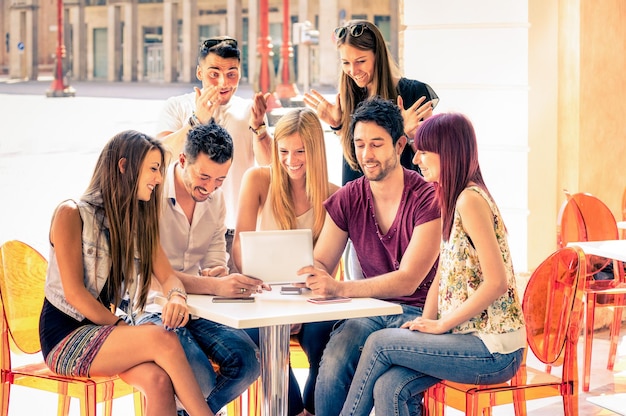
{"points": [[200, 244]]}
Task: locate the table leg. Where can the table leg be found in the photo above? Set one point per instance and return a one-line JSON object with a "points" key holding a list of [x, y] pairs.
{"points": [[274, 345]]}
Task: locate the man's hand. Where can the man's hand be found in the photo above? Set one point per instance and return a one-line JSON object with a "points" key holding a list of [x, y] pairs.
{"points": [[238, 285], [218, 271], [320, 282], [206, 103]]}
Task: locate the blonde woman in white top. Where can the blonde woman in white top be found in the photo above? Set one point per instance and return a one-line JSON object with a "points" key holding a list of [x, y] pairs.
{"points": [[286, 195]]}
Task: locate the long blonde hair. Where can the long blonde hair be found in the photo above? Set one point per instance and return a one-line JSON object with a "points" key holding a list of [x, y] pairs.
{"points": [[133, 224], [307, 125]]}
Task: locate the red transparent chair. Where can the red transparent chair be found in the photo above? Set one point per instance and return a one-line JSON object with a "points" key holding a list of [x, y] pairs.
{"points": [[624, 212], [583, 217], [552, 306], [22, 278]]}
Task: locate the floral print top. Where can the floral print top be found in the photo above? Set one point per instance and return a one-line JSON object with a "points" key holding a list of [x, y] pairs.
{"points": [[460, 275]]}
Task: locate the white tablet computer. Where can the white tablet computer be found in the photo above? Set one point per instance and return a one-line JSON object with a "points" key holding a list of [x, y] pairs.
{"points": [[276, 256]]}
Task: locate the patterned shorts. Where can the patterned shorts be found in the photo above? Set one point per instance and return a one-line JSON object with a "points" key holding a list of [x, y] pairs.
{"points": [[75, 353]]}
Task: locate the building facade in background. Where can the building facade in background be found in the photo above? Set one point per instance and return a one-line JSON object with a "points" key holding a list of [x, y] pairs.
{"points": [[157, 40]]}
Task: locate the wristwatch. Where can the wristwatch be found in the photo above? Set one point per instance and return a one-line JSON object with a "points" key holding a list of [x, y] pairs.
{"points": [[259, 131]]}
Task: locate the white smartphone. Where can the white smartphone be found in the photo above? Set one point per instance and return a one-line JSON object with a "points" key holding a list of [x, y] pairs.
{"points": [[329, 299]]}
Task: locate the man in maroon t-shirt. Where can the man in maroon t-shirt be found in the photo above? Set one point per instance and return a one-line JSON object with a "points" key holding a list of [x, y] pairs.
{"points": [[392, 219]]}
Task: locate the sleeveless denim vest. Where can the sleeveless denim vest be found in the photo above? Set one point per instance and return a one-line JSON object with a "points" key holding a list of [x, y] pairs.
{"points": [[96, 257]]}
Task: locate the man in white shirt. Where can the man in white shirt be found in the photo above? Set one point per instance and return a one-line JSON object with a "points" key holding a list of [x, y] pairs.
{"points": [[192, 234], [218, 69]]}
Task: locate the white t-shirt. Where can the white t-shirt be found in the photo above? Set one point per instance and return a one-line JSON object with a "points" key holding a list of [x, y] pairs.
{"points": [[234, 117]]}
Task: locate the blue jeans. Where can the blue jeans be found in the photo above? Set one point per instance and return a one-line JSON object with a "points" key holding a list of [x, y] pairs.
{"points": [[398, 365], [231, 349], [342, 353], [312, 338]]}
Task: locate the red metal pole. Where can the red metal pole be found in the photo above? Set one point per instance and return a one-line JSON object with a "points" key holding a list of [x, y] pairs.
{"points": [[264, 46], [287, 88], [58, 87]]}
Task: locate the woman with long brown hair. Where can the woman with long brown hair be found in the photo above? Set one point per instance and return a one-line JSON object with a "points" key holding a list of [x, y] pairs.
{"points": [[368, 70], [104, 247]]}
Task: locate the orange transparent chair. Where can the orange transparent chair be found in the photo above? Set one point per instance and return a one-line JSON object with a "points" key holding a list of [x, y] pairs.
{"points": [[552, 306], [583, 217], [22, 278], [624, 212]]}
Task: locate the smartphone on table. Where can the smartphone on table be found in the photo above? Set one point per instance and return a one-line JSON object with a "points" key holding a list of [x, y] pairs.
{"points": [[225, 299], [290, 290], [329, 299]]}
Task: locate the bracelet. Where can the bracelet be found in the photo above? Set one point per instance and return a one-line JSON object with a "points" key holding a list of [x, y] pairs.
{"points": [[336, 128], [194, 121], [118, 321], [176, 291]]}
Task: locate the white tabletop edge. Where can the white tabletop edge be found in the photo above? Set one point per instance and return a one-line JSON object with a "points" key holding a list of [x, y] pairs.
{"points": [[273, 309], [612, 249]]}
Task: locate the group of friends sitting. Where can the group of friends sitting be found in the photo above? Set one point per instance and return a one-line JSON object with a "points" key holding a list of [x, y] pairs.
{"points": [[162, 216]]}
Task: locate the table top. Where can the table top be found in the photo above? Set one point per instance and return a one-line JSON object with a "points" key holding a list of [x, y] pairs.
{"points": [[612, 402], [611, 249], [272, 308]]}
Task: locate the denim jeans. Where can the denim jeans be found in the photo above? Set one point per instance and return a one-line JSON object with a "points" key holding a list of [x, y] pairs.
{"points": [[342, 353], [312, 338], [231, 349], [398, 365]]}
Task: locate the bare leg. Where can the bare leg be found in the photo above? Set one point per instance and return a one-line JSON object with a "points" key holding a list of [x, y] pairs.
{"points": [[156, 387], [129, 346]]}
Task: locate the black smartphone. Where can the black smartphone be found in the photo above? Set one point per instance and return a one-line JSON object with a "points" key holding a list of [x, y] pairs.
{"points": [[224, 299], [290, 290], [329, 299]]}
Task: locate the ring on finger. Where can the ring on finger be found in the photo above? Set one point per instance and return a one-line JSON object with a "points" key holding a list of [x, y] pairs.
{"points": [[242, 290], [181, 314]]}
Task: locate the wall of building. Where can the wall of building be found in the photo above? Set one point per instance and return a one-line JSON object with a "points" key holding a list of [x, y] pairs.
{"points": [[475, 55], [592, 136], [544, 85]]}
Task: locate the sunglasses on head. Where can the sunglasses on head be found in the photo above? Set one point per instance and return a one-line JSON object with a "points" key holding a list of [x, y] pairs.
{"points": [[355, 30], [209, 43]]}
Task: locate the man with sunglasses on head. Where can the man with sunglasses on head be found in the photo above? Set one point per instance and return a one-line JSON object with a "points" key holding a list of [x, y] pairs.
{"points": [[219, 70]]}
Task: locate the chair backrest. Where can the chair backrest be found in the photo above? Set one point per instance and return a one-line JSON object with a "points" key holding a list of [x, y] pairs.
{"points": [[22, 279], [552, 305], [624, 205], [584, 217]]}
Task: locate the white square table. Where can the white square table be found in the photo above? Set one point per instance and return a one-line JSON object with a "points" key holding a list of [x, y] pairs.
{"points": [[273, 313]]}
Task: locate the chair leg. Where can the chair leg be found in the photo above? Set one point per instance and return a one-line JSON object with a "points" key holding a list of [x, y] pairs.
{"points": [[615, 329], [234, 408], [88, 403], [139, 403], [5, 393], [589, 321], [63, 406]]}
